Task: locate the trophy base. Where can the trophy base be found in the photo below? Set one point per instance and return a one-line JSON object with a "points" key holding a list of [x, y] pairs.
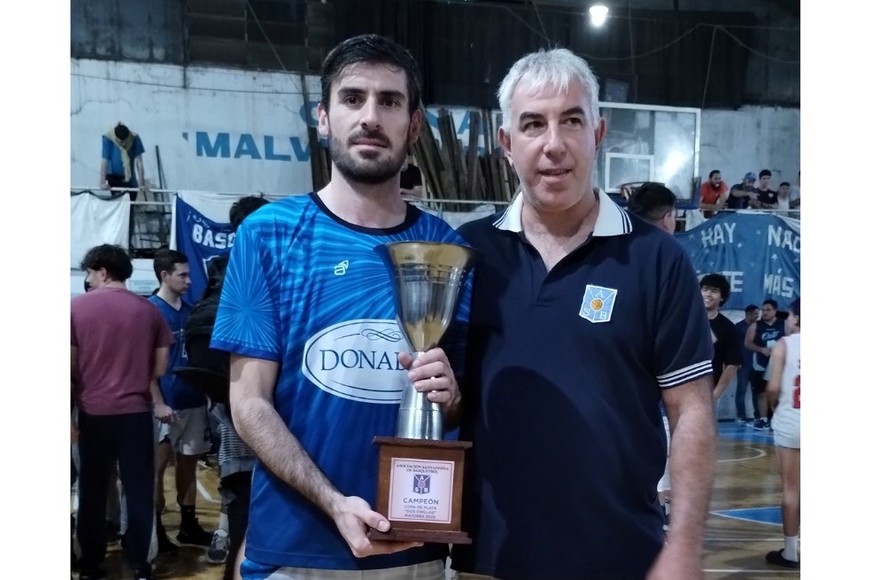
{"points": [[420, 490], [409, 535]]}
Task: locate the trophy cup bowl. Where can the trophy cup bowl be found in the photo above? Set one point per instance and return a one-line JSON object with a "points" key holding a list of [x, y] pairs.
{"points": [[420, 477], [427, 279]]}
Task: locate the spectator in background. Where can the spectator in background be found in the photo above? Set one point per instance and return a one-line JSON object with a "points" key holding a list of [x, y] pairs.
{"points": [[794, 196], [750, 316], [411, 179], [760, 338], [715, 290], [784, 397], [742, 194], [656, 204], [766, 197], [782, 200], [235, 459], [187, 435], [119, 348], [714, 194], [122, 160]]}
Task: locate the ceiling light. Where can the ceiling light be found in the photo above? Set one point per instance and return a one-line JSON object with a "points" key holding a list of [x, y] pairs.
{"points": [[597, 15]]}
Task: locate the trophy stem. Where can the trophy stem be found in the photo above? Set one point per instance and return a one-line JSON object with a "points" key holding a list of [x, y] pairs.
{"points": [[419, 418]]}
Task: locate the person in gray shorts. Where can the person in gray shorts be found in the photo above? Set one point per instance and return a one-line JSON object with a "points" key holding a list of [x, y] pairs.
{"points": [[187, 433]]}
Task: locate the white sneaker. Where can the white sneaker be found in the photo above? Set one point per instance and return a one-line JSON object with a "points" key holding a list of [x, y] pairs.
{"points": [[217, 551]]}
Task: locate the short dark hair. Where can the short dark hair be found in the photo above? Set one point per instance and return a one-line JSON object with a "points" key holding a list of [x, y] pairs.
{"points": [[772, 302], [785, 183], [370, 49], [166, 259], [115, 259], [243, 207], [717, 281], [795, 306], [651, 201], [121, 131], [764, 172], [714, 172], [750, 308]]}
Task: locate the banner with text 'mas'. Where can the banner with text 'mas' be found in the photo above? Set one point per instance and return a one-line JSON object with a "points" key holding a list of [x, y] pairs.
{"points": [[758, 252]]}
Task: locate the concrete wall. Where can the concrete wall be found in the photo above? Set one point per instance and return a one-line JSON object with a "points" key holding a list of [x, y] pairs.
{"points": [[751, 139], [243, 131], [216, 129]]}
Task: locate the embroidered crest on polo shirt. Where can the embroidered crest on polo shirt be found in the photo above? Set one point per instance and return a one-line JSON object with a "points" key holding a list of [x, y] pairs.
{"points": [[597, 303]]}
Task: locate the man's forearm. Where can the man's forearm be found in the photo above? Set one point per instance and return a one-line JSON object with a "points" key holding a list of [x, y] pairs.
{"points": [[156, 393], [728, 374], [692, 466], [755, 348], [263, 430]]}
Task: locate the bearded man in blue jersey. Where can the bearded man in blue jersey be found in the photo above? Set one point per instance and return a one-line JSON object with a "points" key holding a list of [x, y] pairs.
{"points": [[317, 359]]}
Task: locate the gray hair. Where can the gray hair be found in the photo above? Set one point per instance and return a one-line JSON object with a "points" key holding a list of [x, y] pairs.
{"points": [[558, 67]]}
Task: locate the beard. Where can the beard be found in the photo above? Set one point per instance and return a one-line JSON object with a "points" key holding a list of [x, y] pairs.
{"points": [[370, 171]]}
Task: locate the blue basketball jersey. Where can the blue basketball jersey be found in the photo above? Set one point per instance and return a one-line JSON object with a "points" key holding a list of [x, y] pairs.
{"points": [[307, 290], [177, 393]]}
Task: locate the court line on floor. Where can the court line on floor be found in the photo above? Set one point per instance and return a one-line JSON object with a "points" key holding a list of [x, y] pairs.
{"points": [[204, 493], [760, 453], [742, 519]]}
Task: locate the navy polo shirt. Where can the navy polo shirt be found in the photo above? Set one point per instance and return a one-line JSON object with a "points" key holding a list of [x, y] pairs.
{"points": [[564, 378]]}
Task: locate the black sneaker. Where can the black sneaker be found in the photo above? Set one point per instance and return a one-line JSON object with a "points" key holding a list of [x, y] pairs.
{"points": [[194, 534], [776, 558], [96, 574], [142, 574], [113, 532], [164, 544]]}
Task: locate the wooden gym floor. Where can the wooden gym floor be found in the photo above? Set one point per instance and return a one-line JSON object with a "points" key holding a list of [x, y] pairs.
{"points": [[743, 525]]}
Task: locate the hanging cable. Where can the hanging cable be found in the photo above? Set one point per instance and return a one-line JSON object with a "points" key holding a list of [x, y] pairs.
{"points": [[709, 68], [756, 52], [541, 23], [266, 36]]}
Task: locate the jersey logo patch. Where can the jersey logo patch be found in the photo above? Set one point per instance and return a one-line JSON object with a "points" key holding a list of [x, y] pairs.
{"points": [[597, 303], [340, 269]]}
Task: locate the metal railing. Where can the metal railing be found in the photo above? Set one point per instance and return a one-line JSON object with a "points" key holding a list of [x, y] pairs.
{"points": [[151, 213]]}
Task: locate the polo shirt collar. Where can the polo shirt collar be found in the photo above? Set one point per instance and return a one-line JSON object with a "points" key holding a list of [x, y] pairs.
{"points": [[612, 220]]}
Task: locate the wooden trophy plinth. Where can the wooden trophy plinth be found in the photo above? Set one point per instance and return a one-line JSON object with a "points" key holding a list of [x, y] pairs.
{"points": [[420, 490]]}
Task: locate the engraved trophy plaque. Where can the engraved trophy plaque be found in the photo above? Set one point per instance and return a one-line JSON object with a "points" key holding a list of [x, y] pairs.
{"points": [[419, 475]]}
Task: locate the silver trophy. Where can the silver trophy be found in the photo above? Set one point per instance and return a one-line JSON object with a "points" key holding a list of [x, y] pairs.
{"points": [[427, 279]]}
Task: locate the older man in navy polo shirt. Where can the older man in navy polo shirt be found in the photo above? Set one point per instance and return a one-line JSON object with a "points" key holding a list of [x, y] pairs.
{"points": [[583, 320]]}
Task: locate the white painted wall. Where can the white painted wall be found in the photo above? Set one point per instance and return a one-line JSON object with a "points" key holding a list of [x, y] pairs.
{"points": [[257, 115], [260, 119]]}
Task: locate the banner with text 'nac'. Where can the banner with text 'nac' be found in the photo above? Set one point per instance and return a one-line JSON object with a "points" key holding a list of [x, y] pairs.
{"points": [[758, 252]]}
